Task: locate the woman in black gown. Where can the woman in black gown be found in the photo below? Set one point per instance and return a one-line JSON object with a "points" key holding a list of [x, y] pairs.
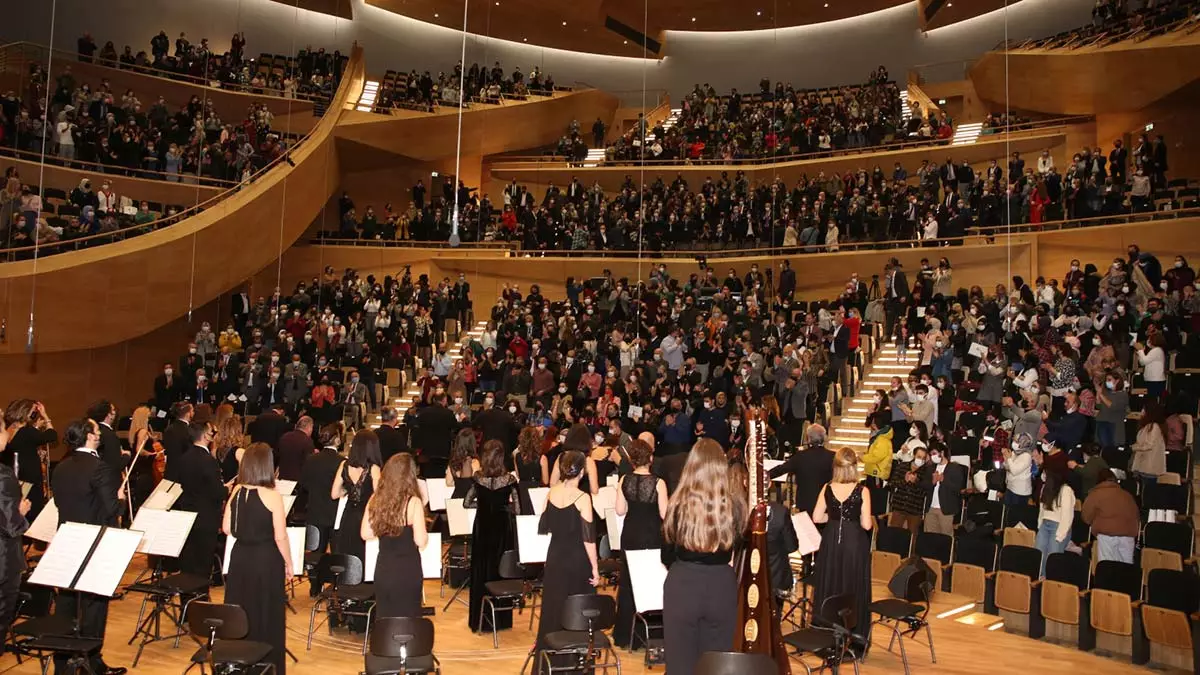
{"points": [[396, 516], [532, 467], [260, 559], [642, 500], [463, 464], [571, 562], [356, 480], [844, 559], [705, 521], [494, 496]]}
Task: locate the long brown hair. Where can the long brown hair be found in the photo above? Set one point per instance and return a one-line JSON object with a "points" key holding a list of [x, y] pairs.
{"points": [[529, 444], [228, 436], [704, 515], [258, 466], [491, 460], [397, 487]]}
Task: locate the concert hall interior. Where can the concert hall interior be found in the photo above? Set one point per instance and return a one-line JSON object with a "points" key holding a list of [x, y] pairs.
{"points": [[643, 336]]}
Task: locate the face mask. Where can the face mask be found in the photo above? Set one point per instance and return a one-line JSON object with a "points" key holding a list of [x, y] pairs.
{"points": [[913, 432], [512, 409], [458, 400], [168, 372], [878, 399], [1125, 289], [1074, 268], [321, 362], [191, 350], [1120, 309], [941, 385], [735, 424], [974, 312], [918, 462], [489, 401], [1163, 284], [708, 405], [274, 359], [354, 380], [1034, 390], [1112, 386], [664, 399], [1178, 264], [935, 458], [541, 366]]}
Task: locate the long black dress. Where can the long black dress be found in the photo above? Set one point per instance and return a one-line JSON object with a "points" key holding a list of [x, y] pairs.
{"points": [[256, 576], [844, 559], [530, 476], [568, 569], [642, 530], [494, 533], [398, 589], [349, 539]]}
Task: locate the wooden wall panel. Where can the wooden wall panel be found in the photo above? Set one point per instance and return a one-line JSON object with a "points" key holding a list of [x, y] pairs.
{"points": [[1120, 78], [112, 293]]}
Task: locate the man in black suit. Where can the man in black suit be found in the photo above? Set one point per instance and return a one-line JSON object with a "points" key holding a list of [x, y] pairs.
{"points": [[316, 481], [811, 468], [240, 309], [781, 542], [787, 283], [86, 492], [104, 413], [896, 292], [295, 447], [462, 303], [498, 424], [434, 433], [203, 493], [269, 427], [177, 439], [839, 346], [392, 441], [944, 482], [1118, 160], [166, 388]]}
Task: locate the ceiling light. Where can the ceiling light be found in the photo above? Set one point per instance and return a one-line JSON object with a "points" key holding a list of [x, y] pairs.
{"points": [[949, 4], [436, 15], [693, 19], [758, 13], [627, 42], [827, 4], [524, 39]]}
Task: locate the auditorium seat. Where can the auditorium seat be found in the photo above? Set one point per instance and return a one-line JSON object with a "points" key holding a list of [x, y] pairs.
{"points": [[892, 545], [1065, 599], [1018, 589], [1166, 546], [972, 574], [937, 550], [1116, 596], [1020, 525], [1170, 618]]}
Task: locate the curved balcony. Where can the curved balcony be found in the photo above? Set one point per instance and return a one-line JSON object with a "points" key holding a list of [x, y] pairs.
{"points": [[103, 295]]}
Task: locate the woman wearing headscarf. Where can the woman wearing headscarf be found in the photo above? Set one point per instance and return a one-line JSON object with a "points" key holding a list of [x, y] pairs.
{"points": [[1018, 467]]}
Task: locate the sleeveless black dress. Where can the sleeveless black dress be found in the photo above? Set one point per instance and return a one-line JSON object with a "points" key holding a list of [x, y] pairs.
{"points": [[568, 570], [256, 576], [398, 579], [494, 533], [642, 530], [529, 475], [349, 539], [844, 559]]}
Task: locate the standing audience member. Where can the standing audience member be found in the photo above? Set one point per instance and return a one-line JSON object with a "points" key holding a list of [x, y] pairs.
{"points": [[1056, 513], [944, 481], [1114, 517]]}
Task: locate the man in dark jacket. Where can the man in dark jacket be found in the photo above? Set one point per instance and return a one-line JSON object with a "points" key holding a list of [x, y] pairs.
{"points": [[433, 435], [316, 480], [943, 482], [392, 441], [811, 468], [176, 439], [295, 447]]}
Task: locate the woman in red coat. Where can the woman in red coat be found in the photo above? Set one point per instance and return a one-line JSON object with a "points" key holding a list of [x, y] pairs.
{"points": [[1037, 203]]}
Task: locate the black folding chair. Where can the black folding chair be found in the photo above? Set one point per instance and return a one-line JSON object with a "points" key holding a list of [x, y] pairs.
{"points": [[220, 630], [582, 641], [401, 645], [506, 594], [910, 611], [344, 594], [829, 636]]}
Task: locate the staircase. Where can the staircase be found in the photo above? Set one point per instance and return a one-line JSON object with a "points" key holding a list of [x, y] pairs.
{"points": [[850, 428], [412, 392]]}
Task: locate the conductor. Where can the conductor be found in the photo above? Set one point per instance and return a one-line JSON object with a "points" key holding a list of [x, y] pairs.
{"points": [[85, 491]]}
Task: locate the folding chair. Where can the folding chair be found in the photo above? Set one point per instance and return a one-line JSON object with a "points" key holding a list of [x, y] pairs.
{"points": [[1025, 515], [1169, 617], [1167, 546], [506, 594], [911, 611], [171, 596], [1116, 597], [892, 546], [582, 639], [401, 645], [829, 636], [1018, 589], [220, 630], [1065, 598], [343, 594]]}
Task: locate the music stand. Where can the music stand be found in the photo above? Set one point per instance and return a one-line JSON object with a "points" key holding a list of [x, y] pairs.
{"points": [[460, 524], [84, 559], [164, 534]]}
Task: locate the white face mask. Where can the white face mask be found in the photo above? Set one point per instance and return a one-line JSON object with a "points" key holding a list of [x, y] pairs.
{"points": [[562, 389], [735, 423], [541, 366], [708, 405], [918, 462], [913, 432], [512, 409]]}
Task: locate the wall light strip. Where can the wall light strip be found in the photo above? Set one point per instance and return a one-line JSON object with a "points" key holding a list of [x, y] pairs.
{"points": [[957, 610]]}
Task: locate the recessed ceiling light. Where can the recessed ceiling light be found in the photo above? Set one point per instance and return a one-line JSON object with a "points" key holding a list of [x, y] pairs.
{"points": [[436, 15], [693, 19], [524, 39], [949, 4], [758, 13], [627, 42], [826, 4], [564, 23]]}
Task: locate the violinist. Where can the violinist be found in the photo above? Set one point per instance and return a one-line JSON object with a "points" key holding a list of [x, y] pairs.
{"points": [[149, 459]]}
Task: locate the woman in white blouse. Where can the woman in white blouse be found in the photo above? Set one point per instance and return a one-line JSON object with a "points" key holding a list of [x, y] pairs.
{"points": [[1153, 359], [1056, 513], [1018, 463], [488, 339]]}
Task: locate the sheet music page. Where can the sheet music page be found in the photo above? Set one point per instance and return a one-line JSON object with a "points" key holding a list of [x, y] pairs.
{"points": [[296, 536], [612, 480], [288, 502], [431, 557], [25, 488], [230, 540], [531, 546], [370, 560], [647, 575], [615, 525], [285, 487], [439, 492], [460, 520], [538, 497], [806, 533], [46, 524], [163, 500], [108, 563], [163, 532], [337, 522], [604, 499], [60, 563], [769, 464]]}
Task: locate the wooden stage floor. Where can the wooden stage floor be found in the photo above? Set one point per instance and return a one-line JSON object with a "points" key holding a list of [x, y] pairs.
{"points": [[961, 648]]}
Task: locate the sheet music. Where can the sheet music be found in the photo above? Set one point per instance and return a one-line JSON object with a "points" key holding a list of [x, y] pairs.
{"points": [[295, 537], [538, 497], [163, 532], [109, 561], [60, 563], [612, 480], [370, 560], [615, 525], [647, 575], [806, 533], [285, 487], [769, 464], [25, 488], [337, 522], [531, 546], [604, 499], [439, 492], [288, 502], [431, 557], [460, 520], [45, 525], [164, 496], [423, 490]]}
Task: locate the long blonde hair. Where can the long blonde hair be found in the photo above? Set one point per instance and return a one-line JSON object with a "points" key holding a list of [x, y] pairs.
{"points": [[845, 466], [138, 421], [704, 514]]}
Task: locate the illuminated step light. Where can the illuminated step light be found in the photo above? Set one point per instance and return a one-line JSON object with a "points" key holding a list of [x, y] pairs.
{"points": [[366, 100], [957, 610], [967, 134], [999, 624]]}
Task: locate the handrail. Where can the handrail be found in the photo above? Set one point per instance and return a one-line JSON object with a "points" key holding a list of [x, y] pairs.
{"points": [[170, 76], [467, 104], [842, 247], [1043, 125], [113, 169], [186, 213], [410, 243]]}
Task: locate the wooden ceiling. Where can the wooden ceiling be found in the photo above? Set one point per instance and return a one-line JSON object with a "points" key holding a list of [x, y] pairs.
{"points": [[580, 25]]}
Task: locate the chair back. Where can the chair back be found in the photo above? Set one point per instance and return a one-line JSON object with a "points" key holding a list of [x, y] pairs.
{"points": [[213, 621], [897, 540], [589, 611], [1021, 560], [840, 610], [1175, 590], [1119, 577], [394, 637], [935, 546], [312, 538], [1174, 537], [735, 663], [340, 569], [977, 552], [510, 566], [1068, 568]]}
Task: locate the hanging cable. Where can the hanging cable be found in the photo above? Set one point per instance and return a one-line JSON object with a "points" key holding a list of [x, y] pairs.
{"points": [[41, 180], [641, 132], [1007, 152], [462, 75], [286, 148]]}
